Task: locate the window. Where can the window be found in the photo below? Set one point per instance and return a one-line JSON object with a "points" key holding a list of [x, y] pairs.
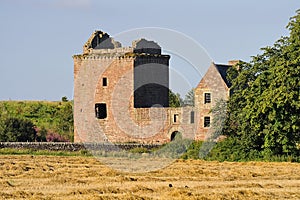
{"points": [[206, 121], [175, 118], [192, 117], [100, 110], [104, 81], [207, 98]]}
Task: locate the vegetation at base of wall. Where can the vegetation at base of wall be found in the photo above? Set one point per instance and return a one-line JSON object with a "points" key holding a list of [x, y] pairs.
{"points": [[230, 150], [9, 151], [52, 121], [140, 150]]}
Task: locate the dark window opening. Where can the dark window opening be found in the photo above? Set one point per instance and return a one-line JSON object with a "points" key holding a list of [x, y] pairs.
{"points": [[100, 110], [104, 81], [206, 121], [175, 118], [192, 117], [207, 98]]}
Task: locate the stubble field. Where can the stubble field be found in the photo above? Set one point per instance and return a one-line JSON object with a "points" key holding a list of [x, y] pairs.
{"points": [[54, 177]]}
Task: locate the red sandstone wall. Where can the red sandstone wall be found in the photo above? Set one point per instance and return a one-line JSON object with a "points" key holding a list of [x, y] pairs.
{"points": [[212, 83]]}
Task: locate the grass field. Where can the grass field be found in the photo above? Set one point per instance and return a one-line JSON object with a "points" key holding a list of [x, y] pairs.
{"points": [[58, 177]]}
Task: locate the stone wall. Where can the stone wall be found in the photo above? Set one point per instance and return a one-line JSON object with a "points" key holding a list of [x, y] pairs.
{"points": [[62, 146]]}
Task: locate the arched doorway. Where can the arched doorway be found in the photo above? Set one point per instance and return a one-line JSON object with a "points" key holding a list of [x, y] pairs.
{"points": [[176, 135]]}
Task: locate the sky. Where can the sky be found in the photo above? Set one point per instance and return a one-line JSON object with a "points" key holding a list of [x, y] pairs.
{"points": [[39, 37]]}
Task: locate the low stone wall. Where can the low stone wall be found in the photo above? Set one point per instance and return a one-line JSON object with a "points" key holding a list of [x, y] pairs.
{"points": [[63, 146]]}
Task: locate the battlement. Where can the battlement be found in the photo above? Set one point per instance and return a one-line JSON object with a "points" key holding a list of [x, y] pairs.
{"points": [[120, 51], [100, 43]]}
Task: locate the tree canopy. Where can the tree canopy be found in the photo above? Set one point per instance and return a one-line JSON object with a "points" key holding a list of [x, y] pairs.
{"points": [[189, 99], [174, 99], [50, 119], [264, 109]]}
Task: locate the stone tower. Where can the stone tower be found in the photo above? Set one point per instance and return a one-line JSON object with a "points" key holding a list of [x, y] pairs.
{"points": [[114, 89]]}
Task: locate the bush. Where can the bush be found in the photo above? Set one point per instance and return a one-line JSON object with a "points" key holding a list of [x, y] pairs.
{"points": [[17, 130], [231, 149], [54, 137]]}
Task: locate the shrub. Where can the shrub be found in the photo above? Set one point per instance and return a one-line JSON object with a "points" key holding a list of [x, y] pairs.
{"points": [[54, 137], [17, 130]]}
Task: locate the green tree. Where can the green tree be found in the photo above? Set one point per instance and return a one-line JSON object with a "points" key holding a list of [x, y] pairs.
{"points": [[174, 99], [264, 109], [189, 98], [17, 130], [64, 99], [65, 124]]}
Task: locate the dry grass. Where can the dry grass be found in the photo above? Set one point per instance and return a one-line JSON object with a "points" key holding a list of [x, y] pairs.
{"points": [[50, 177]]}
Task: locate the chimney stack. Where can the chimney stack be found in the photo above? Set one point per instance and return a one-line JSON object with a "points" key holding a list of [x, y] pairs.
{"points": [[233, 62]]}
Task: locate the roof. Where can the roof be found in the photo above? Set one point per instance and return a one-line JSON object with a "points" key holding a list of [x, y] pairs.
{"points": [[223, 72]]}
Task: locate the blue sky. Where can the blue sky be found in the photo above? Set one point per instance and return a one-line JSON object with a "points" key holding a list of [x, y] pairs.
{"points": [[38, 38]]}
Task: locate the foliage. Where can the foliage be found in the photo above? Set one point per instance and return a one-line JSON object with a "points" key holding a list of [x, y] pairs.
{"points": [[231, 149], [219, 114], [139, 150], [48, 117], [174, 149], [264, 109], [64, 99], [193, 150], [175, 100], [54, 137], [17, 130], [189, 99]]}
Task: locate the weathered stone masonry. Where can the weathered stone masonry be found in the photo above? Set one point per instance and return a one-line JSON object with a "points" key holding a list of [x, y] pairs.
{"points": [[121, 94]]}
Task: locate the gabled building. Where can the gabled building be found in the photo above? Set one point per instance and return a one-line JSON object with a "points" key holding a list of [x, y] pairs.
{"points": [[213, 86]]}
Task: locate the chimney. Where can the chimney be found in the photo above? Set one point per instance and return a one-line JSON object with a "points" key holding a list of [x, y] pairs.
{"points": [[233, 62]]}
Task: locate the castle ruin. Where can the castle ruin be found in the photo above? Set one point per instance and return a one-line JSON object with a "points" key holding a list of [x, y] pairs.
{"points": [[121, 95]]}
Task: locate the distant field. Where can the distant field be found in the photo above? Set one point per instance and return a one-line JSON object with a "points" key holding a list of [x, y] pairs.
{"points": [[54, 177]]}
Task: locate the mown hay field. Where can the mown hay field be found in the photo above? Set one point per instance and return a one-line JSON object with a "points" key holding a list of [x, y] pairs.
{"points": [[55, 177]]}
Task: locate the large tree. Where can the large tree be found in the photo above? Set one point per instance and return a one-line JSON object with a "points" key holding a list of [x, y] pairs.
{"points": [[264, 109]]}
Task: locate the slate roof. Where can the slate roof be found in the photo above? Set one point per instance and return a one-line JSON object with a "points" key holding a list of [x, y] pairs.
{"points": [[223, 72]]}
